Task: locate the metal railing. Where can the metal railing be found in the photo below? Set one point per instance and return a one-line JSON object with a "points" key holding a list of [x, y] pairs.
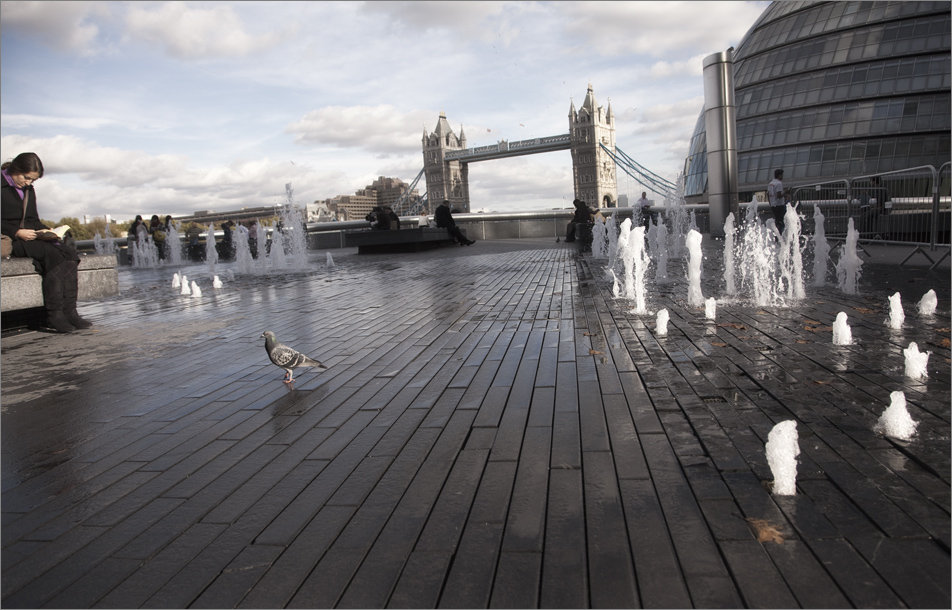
{"points": [[905, 207]]}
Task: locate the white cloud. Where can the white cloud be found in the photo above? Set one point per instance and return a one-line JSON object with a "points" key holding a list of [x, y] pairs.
{"points": [[64, 26], [196, 33], [378, 129], [669, 69], [659, 29], [26, 121]]}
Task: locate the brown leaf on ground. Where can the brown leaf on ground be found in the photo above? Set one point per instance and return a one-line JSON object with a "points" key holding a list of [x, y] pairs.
{"points": [[811, 322], [819, 329], [719, 344], [765, 531], [803, 341], [732, 325], [588, 334], [594, 353], [864, 310], [944, 343], [942, 330], [819, 381]]}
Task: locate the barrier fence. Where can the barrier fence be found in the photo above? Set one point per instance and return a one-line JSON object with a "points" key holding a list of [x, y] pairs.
{"points": [[906, 207]]}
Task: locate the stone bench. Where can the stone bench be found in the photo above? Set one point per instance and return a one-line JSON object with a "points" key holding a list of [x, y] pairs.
{"points": [[370, 241], [21, 287]]}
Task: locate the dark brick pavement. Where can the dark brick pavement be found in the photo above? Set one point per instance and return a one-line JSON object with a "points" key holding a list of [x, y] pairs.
{"points": [[494, 430]]}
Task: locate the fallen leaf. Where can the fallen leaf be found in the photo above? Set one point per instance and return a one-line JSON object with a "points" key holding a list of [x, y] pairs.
{"points": [[765, 531], [803, 341], [944, 343], [733, 325], [942, 330], [864, 310], [811, 322], [817, 381], [719, 344], [594, 353], [588, 334], [816, 329]]}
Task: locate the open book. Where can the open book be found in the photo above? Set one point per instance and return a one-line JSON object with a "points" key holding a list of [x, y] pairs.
{"points": [[52, 234]]}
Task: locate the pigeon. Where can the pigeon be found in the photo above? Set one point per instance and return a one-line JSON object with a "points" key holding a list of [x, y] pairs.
{"points": [[286, 357]]}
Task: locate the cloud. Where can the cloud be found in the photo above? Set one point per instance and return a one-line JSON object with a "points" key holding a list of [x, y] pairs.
{"points": [[670, 69], [196, 33], [97, 164], [26, 121], [659, 29], [466, 17], [64, 26], [378, 129]]}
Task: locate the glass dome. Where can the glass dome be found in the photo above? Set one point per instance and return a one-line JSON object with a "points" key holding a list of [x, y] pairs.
{"points": [[826, 90]]}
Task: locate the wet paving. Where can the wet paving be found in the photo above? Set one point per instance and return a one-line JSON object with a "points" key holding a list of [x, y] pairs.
{"points": [[495, 429]]}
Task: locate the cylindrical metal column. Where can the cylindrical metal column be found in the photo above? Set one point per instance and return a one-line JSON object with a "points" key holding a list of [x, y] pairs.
{"points": [[721, 127]]}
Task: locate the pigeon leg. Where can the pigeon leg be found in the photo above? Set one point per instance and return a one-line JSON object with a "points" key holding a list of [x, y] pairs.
{"points": [[287, 377]]}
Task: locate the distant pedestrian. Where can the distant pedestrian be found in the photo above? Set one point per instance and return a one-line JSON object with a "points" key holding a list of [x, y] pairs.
{"points": [[444, 220], [778, 199], [133, 233], [157, 230], [583, 215], [394, 219], [378, 218], [228, 242]]}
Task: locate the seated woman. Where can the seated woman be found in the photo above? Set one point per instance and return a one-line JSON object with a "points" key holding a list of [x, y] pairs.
{"points": [[55, 261]]}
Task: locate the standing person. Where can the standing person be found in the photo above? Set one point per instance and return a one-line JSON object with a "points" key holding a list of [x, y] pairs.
{"points": [[228, 241], [133, 233], [640, 206], [55, 261], [778, 199], [444, 220], [157, 230]]}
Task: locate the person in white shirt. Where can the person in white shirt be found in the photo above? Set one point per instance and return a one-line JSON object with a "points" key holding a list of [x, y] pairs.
{"points": [[777, 198]]}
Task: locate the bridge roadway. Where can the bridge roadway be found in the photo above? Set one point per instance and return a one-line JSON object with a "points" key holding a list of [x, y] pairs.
{"points": [[494, 429]]}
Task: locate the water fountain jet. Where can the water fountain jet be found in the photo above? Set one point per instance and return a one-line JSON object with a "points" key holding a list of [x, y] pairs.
{"points": [[895, 420], [842, 334], [782, 450], [916, 362]]}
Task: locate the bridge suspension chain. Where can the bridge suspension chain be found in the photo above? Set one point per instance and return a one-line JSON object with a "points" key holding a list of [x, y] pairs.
{"points": [[640, 174], [399, 204]]}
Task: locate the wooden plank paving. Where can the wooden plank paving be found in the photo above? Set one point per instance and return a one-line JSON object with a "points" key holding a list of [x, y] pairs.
{"points": [[495, 429]]}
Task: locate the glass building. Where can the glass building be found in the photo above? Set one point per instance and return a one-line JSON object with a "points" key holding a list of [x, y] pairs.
{"points": [[827, 90]]}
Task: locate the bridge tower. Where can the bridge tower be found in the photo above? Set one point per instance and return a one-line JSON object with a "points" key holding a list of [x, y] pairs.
{"points": [[593, 168], [445, 179]]}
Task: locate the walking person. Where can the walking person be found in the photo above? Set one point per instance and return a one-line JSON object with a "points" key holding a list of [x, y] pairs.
{"points": [[54, 260], [444, 220], [778, 199]]}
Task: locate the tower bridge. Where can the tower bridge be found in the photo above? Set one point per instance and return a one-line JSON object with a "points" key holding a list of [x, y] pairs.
{"points": [[591, 140]]}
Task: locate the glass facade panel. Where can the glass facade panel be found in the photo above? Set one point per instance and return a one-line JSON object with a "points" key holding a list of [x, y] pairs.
{"points": [[828, 100]]}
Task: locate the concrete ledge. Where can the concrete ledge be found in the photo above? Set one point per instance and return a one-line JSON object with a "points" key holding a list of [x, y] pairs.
{"points": [[398, 240], [21, 287]]}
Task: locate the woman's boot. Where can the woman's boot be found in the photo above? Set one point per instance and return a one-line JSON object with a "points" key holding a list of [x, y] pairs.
{"points": [[53, 300], [70, 294]]}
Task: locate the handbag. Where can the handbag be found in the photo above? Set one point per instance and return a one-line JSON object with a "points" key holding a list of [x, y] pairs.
{"points": [[6, 244]]}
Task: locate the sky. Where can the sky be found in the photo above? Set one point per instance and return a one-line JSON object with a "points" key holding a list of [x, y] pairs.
{"points": [[175, 107]]}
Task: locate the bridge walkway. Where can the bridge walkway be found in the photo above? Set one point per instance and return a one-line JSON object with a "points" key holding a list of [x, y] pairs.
{"points": [[494, 430]]}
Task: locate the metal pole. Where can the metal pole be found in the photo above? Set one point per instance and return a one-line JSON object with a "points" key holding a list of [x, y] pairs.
{"points": [[721, 126]]}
